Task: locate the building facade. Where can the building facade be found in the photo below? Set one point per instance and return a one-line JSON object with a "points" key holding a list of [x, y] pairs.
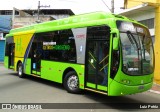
{"points": [[5, 26], [28, 17], [18, 18]]}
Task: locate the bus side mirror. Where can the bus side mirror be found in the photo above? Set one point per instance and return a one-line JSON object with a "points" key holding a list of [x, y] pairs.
{"points": [[115, 43]]}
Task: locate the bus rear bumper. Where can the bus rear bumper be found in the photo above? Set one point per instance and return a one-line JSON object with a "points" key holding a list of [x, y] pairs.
{"points": [[118, 89]]}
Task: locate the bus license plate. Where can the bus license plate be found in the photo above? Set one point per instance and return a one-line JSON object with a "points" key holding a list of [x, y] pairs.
{"points": [[141, 87]]}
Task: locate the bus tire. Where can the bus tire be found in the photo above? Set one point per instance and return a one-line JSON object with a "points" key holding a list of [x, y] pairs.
{"points": [[20, 70], [71, 82]]}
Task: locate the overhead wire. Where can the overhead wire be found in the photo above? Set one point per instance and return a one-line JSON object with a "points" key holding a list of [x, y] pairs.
{"points": [[106, 5]]}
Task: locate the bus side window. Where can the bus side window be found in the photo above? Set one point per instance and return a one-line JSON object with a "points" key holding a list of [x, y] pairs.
{"points": [[61, 46], [115, 63], [67, 46]]}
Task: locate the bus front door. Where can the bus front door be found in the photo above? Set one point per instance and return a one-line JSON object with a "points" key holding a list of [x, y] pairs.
{"points": [[36, 59], [97, 65], [11, 54]]}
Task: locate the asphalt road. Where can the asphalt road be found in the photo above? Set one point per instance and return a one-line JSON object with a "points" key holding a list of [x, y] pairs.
{"points": [[35, 90]]}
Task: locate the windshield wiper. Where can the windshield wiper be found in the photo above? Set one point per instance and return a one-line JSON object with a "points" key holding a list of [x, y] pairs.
{"points": [[144, 50], [132, 39]]}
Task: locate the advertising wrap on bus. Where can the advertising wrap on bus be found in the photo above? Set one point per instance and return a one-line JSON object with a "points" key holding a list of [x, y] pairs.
{"points": [[104, 53]]}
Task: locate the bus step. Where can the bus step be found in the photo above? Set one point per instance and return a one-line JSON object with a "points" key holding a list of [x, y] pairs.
{"points": [[89, 89], [35, 75]]}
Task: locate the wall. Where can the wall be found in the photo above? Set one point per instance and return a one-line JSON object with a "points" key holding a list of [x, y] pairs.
{"points": [[133, 3], [5, 23], [2, 42], [27, 20], [5, 26], [143, 15]]}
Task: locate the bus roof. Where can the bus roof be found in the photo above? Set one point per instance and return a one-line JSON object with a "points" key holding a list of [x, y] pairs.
{"points": [[75, 21]]}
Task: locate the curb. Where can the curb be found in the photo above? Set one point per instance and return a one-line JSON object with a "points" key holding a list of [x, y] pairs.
{"points": [[153, 91], [156, 84]]}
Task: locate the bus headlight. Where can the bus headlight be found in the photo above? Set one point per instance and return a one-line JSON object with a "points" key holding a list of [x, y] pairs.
{"points": [[125, 81]]}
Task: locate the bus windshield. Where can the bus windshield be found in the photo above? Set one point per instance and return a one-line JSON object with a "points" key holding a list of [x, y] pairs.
{"points": [[137, 49]]}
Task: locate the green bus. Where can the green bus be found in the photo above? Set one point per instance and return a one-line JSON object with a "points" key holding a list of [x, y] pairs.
{"points": [[100, 52]]}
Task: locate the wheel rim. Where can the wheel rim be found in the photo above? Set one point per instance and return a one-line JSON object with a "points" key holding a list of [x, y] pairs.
{"points": [[72, 82], [20, 70]]}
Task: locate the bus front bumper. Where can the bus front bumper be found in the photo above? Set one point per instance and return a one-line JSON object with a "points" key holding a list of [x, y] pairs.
{"points": [[119, 89]]}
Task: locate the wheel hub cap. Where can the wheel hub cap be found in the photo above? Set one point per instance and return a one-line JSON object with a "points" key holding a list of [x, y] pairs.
{"points": [[72, 82]]}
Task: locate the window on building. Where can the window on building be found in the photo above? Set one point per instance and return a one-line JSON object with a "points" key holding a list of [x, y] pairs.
{"points": [[16, 13], [8, 12], [148, 22]]}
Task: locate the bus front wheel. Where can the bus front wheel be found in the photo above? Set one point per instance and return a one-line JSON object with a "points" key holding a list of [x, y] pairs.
{"points": [[71, 82], [20, 70]]}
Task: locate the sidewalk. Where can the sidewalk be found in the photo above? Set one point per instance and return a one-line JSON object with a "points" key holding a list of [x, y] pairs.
{"points": [[1, 63], [155, 88]]}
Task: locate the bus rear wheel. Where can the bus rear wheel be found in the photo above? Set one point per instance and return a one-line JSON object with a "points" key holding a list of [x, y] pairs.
{"points": [[71, 82], [20, 70]]}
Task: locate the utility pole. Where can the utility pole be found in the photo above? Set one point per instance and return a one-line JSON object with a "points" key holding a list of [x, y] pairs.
{"points": [[39, 6], [112, 6], [13, 17]]}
